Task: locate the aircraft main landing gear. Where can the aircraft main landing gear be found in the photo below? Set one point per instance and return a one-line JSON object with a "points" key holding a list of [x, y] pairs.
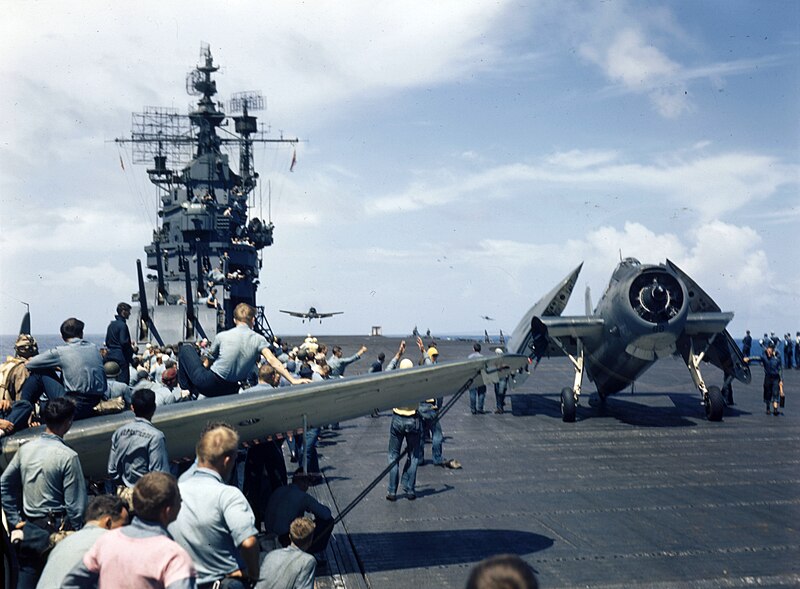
{"points": [[568, 405], [713, 402], [570, 396]]}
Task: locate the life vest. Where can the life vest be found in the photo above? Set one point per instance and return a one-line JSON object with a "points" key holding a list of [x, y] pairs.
{"points": [[6, 368]]}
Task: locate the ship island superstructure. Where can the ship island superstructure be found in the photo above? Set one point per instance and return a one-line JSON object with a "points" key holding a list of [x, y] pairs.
{"points": [[205, 255]]}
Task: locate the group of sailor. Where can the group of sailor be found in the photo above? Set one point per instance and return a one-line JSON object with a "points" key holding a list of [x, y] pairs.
{"points": [[199, 531], [221, 547], [787, 349]]}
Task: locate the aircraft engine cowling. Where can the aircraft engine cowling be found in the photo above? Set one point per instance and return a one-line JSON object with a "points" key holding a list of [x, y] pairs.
{"points": [[655, 313], [656, 296]]}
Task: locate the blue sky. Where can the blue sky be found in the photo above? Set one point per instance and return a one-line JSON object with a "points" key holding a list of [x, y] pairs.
{"points": [[461, 158]]}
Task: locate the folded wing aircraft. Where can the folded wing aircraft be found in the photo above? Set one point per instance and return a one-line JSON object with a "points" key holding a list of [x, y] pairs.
{"points": [[311, 314], [647, 312], [256, 415]]}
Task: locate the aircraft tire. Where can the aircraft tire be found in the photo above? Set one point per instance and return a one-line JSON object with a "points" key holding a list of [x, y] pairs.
{"points": [[715, 404], [568, 408]]}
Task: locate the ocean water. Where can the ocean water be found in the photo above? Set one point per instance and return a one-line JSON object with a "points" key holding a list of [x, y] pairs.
{"points": [[349, 343], [45, 342], [457, 347]]}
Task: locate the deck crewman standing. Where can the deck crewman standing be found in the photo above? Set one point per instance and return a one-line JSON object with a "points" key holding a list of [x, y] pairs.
{"points": [[118, 342], [406, 425], [216, 525], [43, 490], [747, 343], [773, 376], [137, 447], [477, 395]]}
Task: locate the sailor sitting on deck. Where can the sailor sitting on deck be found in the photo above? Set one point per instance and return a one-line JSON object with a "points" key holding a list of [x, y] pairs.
{"points": [[14, 411], [82, 376], [291, 567], [235, 352], [291, 501], [165, 391]]}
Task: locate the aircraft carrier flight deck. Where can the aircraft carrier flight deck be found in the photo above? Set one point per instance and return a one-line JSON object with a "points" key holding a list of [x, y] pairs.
{"points": [[642, 493]]}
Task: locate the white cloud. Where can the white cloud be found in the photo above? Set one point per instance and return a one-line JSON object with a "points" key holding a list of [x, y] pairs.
{"points": [[634, 62], [636, 48], [641, 67], [577, 159], [711, 185], [103, 279], [727, 261], [69, 230], [337, 53]]}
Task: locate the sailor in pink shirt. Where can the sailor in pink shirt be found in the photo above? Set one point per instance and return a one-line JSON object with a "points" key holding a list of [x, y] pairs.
{"points": [[142, 554]]}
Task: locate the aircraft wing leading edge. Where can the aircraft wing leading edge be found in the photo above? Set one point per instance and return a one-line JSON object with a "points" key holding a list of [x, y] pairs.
{"points": [[573, 326], [550, 305], [256, 415]]}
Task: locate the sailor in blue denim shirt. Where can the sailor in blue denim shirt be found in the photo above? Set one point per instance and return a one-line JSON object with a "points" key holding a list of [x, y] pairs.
{"points": [[216, 525], [81, 366], [338, 364], [235, 354], [138, 447], [43, 487]]}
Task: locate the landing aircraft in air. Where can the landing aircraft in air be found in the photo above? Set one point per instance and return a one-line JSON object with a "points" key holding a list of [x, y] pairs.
{"points": [[311, 314], [647, 312], [487, 318]]}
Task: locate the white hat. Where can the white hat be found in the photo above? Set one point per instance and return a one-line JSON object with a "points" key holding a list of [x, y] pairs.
{"points": [[406, 363]]}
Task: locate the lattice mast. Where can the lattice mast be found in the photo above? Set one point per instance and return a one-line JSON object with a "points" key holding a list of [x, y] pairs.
{"points": [[203, 203]]}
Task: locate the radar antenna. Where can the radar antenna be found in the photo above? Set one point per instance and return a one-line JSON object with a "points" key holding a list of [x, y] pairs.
{"points": [[161, 135], [248, 100], [193, 79], [246, 126]]}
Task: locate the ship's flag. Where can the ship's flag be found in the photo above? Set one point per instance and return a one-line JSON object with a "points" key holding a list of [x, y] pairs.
{"points": [[121, 163], [294, 161]]}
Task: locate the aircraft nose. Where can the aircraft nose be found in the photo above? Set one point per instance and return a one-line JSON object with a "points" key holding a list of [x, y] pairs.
{"points": [[659, 293], [656, 297]]}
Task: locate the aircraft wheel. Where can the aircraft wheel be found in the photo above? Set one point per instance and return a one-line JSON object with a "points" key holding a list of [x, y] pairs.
{"points": [[715, 404], [568, 408]]}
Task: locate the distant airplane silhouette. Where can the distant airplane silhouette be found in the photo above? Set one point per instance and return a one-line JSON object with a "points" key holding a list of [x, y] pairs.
{"points": [[487, 318], [311, 314]]}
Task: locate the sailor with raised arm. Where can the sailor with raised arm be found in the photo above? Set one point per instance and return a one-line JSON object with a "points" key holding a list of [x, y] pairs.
{"points": [[235, 353]]}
